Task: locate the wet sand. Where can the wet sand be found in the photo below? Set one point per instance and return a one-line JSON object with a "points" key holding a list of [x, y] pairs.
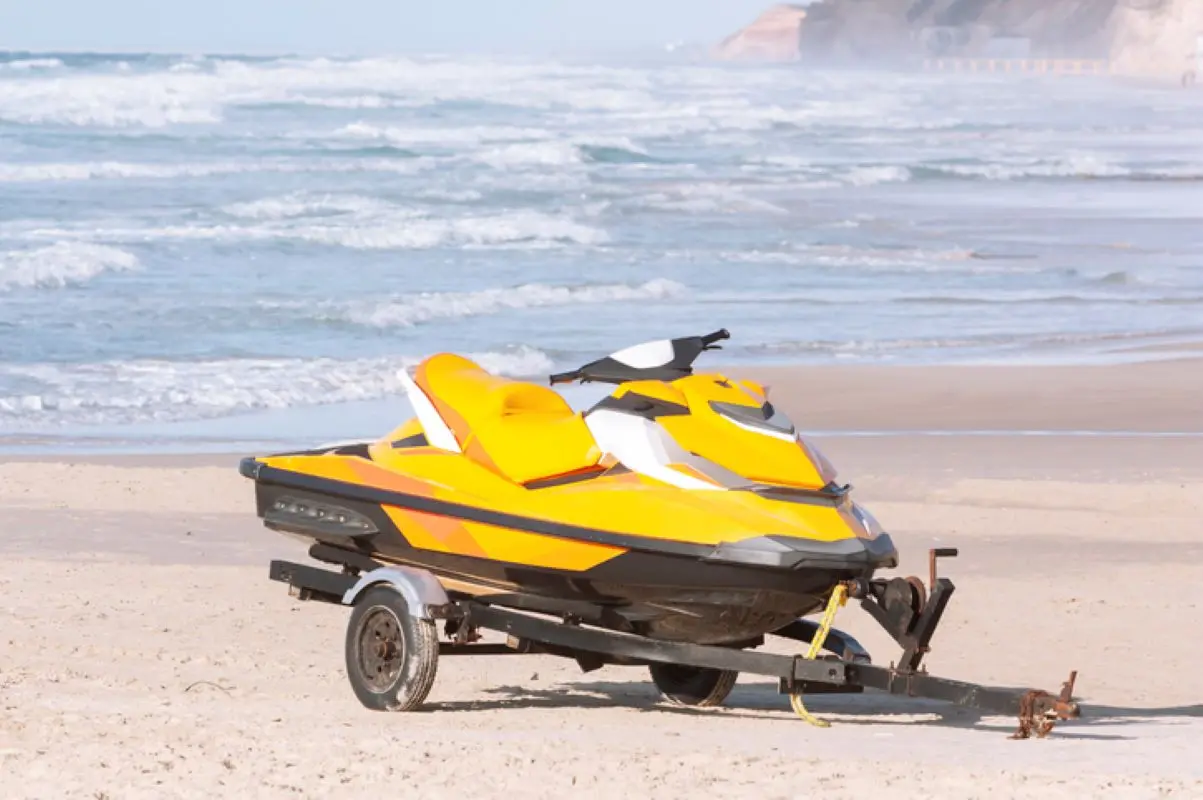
{"points": [[1154, 397], [144, 653]]}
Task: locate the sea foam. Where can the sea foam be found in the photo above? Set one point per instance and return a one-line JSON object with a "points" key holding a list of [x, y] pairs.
{"points": [[307, 204], [147, 389], [416, 309], [199, 93], [354, 223], [61, 264]]}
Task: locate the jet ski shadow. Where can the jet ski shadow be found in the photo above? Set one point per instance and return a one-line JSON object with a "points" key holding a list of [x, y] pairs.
{"points": [[578, 696], [762, 701], [744, 703]]}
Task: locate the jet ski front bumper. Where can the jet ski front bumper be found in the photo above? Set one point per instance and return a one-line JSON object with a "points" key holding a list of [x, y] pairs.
{"points": [[788, 552]]}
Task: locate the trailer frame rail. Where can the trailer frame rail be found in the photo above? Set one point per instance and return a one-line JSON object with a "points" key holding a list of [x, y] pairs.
{"points": [[900, 605]]}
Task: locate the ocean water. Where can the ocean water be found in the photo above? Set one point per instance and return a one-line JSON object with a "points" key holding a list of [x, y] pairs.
{"points": [[233, 247]]}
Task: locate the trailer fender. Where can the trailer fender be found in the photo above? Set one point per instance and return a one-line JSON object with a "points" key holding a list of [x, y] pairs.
{"points": [[424, 596]]}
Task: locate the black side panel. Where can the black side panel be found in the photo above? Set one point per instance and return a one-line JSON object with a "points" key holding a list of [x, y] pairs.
{"points": [[359, 450], [362, 562], [641, 406]]}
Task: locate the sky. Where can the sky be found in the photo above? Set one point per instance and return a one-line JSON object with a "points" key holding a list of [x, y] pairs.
{"points": [[367, 26]]}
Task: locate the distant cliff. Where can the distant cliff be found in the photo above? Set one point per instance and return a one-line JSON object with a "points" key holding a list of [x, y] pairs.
{"points": [[776, 35], [858, 29], [1166, 39], [1139, 36]]}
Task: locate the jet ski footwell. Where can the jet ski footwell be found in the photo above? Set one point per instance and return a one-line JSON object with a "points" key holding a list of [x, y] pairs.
{"points": [[383, 632]]}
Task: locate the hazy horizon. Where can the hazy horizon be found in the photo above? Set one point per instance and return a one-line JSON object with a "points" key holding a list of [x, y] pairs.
{"points": [[357, 27]]}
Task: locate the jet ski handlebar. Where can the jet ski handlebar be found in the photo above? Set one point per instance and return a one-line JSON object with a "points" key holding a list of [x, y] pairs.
{"points": [[664, 360]]}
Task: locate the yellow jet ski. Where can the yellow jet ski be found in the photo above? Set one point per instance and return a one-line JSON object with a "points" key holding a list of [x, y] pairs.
{"points": [[674, 524], [683, 505]]}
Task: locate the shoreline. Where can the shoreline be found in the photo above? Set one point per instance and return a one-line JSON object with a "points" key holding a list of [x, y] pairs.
{"points": [[1148, 399]]}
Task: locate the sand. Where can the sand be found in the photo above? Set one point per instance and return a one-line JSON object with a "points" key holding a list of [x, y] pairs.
{"points": [[144, 652]]}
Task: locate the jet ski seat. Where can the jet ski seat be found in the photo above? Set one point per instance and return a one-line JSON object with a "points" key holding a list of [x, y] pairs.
{"points": [[521, 430]]}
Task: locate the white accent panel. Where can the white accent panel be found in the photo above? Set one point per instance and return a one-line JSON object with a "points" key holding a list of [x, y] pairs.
{"points": [[437, 432], [788, 437], [640, 445], [647, 355], [344, 443]]}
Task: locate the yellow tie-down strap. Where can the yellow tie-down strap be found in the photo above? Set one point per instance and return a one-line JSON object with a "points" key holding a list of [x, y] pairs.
{"points": [[839, 598]]}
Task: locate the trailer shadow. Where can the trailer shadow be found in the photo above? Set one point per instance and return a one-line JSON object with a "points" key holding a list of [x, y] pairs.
{"points": [[609, 695], [763, 702]]}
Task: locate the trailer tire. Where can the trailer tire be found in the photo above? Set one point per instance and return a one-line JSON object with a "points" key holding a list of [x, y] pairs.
{"points": [[392, 657], [683, 685]]}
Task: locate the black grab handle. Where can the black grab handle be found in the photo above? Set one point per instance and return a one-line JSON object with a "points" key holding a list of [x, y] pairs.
{"points": [[565, 377], [717, 336]]}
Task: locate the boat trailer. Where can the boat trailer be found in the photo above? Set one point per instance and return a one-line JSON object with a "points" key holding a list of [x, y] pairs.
{"points": [[902, 606]]}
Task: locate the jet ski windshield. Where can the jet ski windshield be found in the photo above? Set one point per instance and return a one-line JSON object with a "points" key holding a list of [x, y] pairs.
{"points": [[661, 360], [765, 417]]}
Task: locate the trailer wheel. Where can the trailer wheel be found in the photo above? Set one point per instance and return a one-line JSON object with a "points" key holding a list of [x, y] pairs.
{"points": [[392, 657], [683, 685]]}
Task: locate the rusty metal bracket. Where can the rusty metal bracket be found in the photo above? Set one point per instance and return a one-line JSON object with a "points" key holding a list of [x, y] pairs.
{"points": [[1039, 711], [932, 556]]}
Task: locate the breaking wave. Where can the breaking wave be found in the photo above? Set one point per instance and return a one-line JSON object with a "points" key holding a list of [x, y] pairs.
{"points": [[115, 170], [100, 170], [562, 153], [1082, 167], [139, 390], [616, 154], [901, 260], [872, 176], [304, 204], [1074, 167], [30, 64], [345, 222], [61, 264], [156, 92], [528, 229], [698, 197], [409, 311], [417, 136]]}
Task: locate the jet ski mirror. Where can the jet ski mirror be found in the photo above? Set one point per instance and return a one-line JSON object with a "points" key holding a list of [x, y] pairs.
{"points": [[660, 360]]}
